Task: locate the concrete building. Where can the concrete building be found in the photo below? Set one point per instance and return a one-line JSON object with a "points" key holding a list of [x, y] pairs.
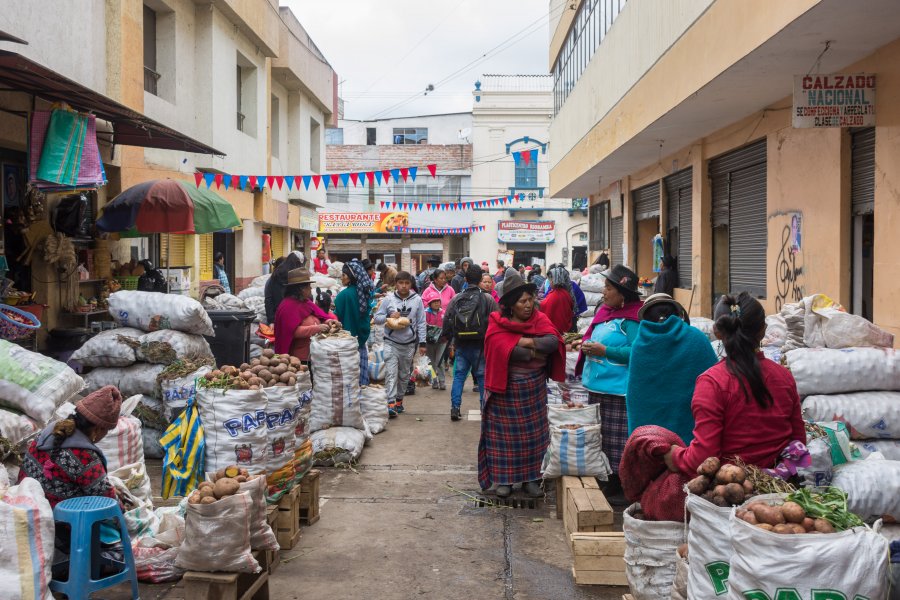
{"points": [[357, 146], [511, 113], [686, 119]]}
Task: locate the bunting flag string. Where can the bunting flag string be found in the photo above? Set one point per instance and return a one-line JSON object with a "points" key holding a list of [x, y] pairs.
{"points": [[526, 157], [329, 180], [443, 207], [441, 230]]}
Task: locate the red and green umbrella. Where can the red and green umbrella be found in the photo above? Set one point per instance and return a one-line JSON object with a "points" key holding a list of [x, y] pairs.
{"points": [[167, 206]]}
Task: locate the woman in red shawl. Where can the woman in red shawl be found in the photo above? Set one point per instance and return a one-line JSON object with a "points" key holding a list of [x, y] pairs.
{"points": [[522, 349], [298, 318], [559, 303]]}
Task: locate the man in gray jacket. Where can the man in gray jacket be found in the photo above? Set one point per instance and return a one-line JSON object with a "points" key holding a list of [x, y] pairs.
{"points": [[400, 344]]}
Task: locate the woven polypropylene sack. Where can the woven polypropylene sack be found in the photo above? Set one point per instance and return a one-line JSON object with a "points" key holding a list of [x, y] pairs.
{"points": [[575, 452], [33, 383], [123, 445], [335, 363], [107, 349], [261, 535], [650, 554], [337, 445], [234, 425], [867, 414], [872, 486], [26, 542], [679, 585], [563, 415], [217, 536], [828, 371], [374, 405], [167, 346], [15, 427], [138, 379], [151, 311], [709, 549]]}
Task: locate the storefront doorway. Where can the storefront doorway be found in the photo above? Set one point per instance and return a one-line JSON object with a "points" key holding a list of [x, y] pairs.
{"points": [[862, 205]]}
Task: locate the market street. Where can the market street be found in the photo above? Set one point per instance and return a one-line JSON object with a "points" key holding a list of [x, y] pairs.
{"points": [[394, 529]]}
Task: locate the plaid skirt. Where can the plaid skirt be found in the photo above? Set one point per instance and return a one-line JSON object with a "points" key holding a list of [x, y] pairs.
{"points": [[613, 426], [514, 430]]}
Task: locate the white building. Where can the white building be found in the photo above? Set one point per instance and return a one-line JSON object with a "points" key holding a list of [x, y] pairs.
{"points": [[511, 114]]}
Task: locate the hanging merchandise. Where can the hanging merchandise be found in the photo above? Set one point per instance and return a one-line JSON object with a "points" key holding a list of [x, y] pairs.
{"points": [[445, 206], [185, 445], [90, 172], [658, 252], [63, 146], [356, 178]]}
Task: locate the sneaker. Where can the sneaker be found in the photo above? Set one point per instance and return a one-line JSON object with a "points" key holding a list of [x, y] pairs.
{"points": [[442, 386], [392, 411], [434, 385], [398, 406], [475, 388], [454, 414]]}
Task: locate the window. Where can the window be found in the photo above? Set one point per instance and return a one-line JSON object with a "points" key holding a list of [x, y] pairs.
{"points": [[599, 226], [246, 93], [339, 195], [415, 135], [240, 93], [276, 126], [526, 175], [370, 136], [315, 146], [444, 189], [151, 77], [334, 136]]}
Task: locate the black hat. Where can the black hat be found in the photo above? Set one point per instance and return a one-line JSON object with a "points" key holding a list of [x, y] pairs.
{"points": [[623, 279], [649, 313], [512, 281], [434, 261]]}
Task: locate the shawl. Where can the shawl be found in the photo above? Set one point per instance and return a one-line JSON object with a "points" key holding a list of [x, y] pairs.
{"points": [[291, 313], [364, 286], [674, 353], [606, 313], [502, 336], [559, 276], [646, 479], [559, 308]]}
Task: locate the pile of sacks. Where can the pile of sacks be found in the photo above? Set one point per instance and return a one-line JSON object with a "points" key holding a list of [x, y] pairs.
{"points": [[156, 330], [592, 286]]}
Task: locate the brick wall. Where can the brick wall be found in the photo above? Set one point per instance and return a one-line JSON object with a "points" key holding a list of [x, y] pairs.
{"points": [[369, 158]]}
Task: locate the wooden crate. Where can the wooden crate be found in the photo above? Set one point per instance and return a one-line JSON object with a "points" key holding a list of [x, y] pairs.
{"points": [[571, 482], [599, 558], [272, 557], [585, 508], [227, 586], [287, 521], [309, 498]]}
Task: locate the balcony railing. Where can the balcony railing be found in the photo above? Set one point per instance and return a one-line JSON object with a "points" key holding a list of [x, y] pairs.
{"points": [[151, 80]]}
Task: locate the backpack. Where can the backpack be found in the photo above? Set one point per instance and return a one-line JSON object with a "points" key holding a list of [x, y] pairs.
{"points": [[469, 319]]}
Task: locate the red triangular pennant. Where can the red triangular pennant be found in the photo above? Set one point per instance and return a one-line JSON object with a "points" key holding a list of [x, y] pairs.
{"points": [[354, 178], [236, 182], [198, 177], [404, 173], [433, 170], [317, 179], [270, 181], [334, 180], [252, 181], [370, 175], [386, 174], [218, 179], [279, 180], [526, 157]]}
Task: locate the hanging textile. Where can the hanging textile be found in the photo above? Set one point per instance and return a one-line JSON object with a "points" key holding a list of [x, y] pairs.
{"points": [[63, 146], [185, 449]]}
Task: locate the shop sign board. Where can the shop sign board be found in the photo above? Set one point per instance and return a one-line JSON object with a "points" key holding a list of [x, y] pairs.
{"points": [[375, 222], [837, 100], [541, 232]]}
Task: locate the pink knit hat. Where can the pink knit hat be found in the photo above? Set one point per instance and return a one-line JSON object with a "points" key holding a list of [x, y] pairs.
{"points": [[430, 295], [102, 407]]}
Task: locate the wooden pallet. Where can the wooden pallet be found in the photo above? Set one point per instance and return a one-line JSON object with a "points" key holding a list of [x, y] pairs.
{"points": [[309, 498], [599, 558], [584, 507], [227, 586], [287, 521]]}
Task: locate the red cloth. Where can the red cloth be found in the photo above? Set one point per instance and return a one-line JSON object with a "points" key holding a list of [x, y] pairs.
{"points": [[646, 479], [290, 314], [559, 308], [726, 424], [502, 336]]}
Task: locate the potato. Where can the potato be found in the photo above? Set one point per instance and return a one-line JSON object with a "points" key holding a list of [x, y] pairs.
{"points": [[709, 467], [208, 500], [748, 487], [797, 528], [255, 381], [823, 526], [226, 487], [242, 383], [209, 376], [240, 479], [219, 475], [720, 501], [205, 491], [292, 381], [809, 524], [707, 495], [295, 362], [254, 362], [229, 370], [303, 368], [216, 373], [280, 369], [793, 512], [285, 377], [254, 387], [731, 474], [205, 484], [268, 353], [246, 375], [255, 370], [768, 514], [244, 366], [750, 517], [232, 471], [734, 493], [719, 490], [765, 526], [698, 485], [265, 374], [783, 529], [264, 361], [194, 499]]}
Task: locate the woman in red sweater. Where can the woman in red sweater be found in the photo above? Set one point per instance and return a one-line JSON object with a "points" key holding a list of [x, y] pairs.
{"points": [[746, 406], [559, 303]]}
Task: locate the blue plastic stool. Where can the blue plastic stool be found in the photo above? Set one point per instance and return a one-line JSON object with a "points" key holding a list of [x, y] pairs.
{"points": [[84, 548]]}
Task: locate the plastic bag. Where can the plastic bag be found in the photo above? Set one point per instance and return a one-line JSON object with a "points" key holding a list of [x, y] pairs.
{"points": [[33, 383], [709, 549], [217, 536], [26, 541], [575, 452], [867, 414], [107, 350], [185, 446], [123, 445], [872, 486], [151, 311], [849, 564], [650, 554], [335, 403], [828, 371], [374, 406]]}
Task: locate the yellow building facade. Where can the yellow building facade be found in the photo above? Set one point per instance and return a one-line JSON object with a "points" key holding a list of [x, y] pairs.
{"points": [[676, 119]]}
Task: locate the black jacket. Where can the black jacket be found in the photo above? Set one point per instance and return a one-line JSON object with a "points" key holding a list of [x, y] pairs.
{"points": [[488, 305]]}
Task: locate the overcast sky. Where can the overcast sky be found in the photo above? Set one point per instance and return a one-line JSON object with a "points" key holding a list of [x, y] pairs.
{"points": [[387, 51]]}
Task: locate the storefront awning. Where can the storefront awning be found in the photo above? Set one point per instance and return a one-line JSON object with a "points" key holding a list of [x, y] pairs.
{"points": [[130, 128], [8, 37]]}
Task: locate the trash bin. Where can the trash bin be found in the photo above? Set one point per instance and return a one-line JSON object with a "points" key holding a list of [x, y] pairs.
{"points": [[231, 345]]}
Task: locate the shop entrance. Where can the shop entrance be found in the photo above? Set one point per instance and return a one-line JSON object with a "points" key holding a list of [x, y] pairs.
{"points": [[12, 239], [224, 242], [579, 258], [862, 205], [529, 254]]}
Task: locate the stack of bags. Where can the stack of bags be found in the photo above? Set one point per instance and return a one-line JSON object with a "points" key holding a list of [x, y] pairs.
{"points": [[592, 286], [157, 331], [338, 428], [32, 389]]}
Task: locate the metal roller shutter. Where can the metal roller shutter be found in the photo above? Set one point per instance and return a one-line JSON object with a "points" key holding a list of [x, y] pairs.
{"points": [[679, 192], [646, 202], [862, 178], [741, 176], [616, 239]]}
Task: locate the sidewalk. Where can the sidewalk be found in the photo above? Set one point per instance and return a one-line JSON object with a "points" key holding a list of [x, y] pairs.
{"points": [[395, 529]]}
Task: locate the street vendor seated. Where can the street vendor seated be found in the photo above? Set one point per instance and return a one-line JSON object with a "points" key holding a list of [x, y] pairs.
{"points": [[66, 462], [298, 318], [746, 406]]}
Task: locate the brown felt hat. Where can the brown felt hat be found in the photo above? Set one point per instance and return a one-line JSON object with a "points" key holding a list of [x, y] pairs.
{"points": [[298, 276]]}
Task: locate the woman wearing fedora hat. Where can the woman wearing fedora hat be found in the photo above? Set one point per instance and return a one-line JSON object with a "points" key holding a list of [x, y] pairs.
{"points": [[603, 364], [522, 350], [298, 318]]}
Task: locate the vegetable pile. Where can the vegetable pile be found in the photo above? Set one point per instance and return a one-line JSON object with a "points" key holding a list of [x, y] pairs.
{"points": [[269, 370], [723, 485], [803, 512], [226, 482], [573, 341]]}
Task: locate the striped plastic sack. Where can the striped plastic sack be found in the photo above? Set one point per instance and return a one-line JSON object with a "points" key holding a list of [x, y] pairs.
{"points": [[63, 146], [575, 452], [124, 445], [185, 449], [26, 542]]}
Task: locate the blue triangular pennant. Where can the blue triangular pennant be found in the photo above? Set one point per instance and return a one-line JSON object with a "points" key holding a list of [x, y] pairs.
{"points": [[243, 182], [345, 179], [289, 181], [306, 179], [395, 173], [326, 179], [517, 157], [412, 172], [226, 181], [378, 177], [209, 178]]}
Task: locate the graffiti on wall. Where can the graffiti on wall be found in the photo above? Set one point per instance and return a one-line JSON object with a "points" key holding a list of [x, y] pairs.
{"points": [[789, 262]]}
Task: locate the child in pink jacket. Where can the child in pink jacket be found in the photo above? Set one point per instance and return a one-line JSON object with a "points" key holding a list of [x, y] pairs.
{"points": [[434, 323]]}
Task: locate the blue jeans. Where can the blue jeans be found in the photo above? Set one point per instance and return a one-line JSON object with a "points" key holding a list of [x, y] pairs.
{"points": [[467, 358]]}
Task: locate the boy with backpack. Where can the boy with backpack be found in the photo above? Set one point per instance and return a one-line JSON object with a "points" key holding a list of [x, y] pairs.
{"points": [[465, 322]]}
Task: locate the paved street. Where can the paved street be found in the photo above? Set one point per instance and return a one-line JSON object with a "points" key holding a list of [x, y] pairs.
{"points": [[396, 529]]}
